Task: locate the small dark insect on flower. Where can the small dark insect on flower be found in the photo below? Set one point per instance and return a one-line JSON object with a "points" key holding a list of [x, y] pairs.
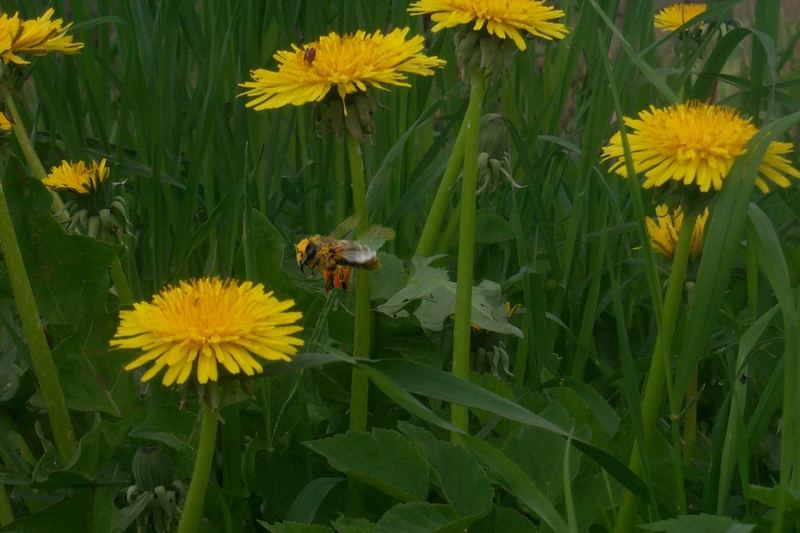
{"points": [[309, 54]]}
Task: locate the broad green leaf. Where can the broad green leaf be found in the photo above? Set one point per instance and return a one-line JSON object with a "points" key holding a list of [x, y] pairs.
{"points": [[345, 524], [701, 523], [419, 379], [543, 461], [464, 483], [166, 421], [506, 519], [71, 514], [264, 249], [389, 279], [432, 287], [68, 273], [519, 484], [294, 527], [383, 459], [422, 517], [84, 389]]}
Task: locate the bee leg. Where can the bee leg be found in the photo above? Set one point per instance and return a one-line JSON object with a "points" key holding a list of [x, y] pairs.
{"points": [[330, 279]]}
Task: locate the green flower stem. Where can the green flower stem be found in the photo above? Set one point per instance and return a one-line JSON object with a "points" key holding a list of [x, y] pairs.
{"points": [[466, 244], [43, 365], [6, 513], [25, 144], [340, 183], [360, 383], [659, 372], [193, 508], [124, 294], [431, 231]]}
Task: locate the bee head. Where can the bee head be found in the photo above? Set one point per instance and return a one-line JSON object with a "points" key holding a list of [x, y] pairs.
{"points": [[305, 251]]}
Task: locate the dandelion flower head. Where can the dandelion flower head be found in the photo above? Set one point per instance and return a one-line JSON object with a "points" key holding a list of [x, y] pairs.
{"points": [[78, 177], [348, 63], [204, 323], [694, 144], [673, 17], [665, 227], [5, 123], [36, 37], [501, 18]]}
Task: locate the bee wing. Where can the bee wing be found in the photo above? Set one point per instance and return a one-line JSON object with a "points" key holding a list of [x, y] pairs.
{"points": [[376, 236], [355, 253]]}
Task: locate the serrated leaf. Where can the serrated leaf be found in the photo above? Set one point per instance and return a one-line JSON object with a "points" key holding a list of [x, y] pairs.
{"points": [[700, 523], [346, 524], [464, 483], [422, 517], [383, 459], [436, 294], [294, 527], [166, 422]]}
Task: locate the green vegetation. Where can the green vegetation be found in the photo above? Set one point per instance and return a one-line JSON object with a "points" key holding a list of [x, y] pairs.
{"points": [[598, 385]]}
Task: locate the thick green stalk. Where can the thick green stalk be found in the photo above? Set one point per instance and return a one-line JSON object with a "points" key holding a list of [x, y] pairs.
{"points": [[659, 371], [25, 144], [466, 244], [6, 513], [43, 365], [431, 232], [360, 383], [193, 508]]}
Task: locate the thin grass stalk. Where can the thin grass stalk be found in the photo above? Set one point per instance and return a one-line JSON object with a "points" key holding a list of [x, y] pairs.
{"points": [[431, 231], [195, 500], [690, 421], [6, 512], [658, 373], [466, 244], [361, 337]]}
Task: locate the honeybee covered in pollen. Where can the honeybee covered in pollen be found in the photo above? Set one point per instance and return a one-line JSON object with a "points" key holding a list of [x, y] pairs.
{"points": [[335, 257]]}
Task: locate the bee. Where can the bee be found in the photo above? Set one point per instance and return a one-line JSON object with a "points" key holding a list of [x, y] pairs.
{"points": [[335, 257], [309, 54]]}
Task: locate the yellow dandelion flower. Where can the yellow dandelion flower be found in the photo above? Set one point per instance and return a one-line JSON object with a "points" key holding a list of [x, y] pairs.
{"points": [[208, 321], [5, 123], [78, 177], [665, 227], [694, 144], [501, 18], [35, 36], [350, 63], [673, 17]]}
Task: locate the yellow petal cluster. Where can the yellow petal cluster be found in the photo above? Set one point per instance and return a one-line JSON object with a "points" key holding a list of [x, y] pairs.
{"points": [[5, 123], [207, 322], [673, 17], [36, 37], [349, 63], [665, 228], [501, 18], [78, 177], [695, 144]]}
